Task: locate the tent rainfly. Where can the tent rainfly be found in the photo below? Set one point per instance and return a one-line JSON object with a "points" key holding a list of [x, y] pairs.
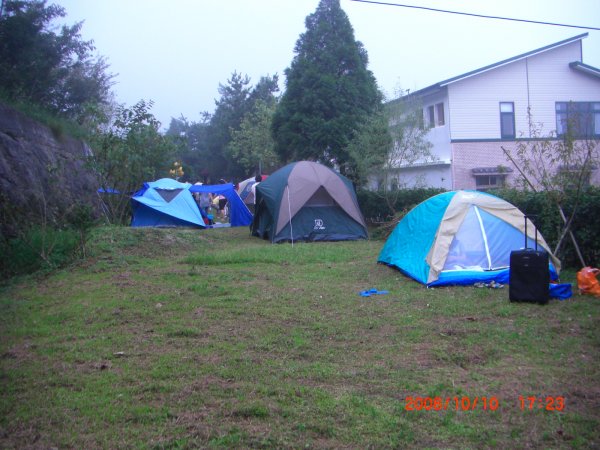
{"points": [[307, 201], [239, 214]]}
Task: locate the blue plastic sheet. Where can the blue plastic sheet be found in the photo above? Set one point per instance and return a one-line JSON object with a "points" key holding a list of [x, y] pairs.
{"points": [[561, 291], [372, 291]]}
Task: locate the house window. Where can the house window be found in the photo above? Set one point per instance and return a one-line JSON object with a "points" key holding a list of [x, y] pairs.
{"points": [[439, 109], [490, 177], [431, 116], [507, 120], [435, 115], [579, 119], [484, 182]]}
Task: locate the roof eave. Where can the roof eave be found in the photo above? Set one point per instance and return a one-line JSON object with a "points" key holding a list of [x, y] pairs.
{"points": [[584, 68]]}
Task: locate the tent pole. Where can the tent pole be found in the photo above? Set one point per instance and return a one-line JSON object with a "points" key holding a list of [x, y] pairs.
{"points": [[484, 236], [290, 215]]}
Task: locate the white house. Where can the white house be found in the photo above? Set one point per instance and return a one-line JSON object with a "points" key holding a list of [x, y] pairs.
{"points": [[475, 114]]}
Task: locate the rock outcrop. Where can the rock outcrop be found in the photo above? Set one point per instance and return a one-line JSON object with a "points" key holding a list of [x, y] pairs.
{"points": [[42, 176]]}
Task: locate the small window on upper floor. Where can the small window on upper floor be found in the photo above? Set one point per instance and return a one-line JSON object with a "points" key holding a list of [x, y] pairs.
{"points": [[507, 120], [439, 112], [435, 115], [430, 116]]}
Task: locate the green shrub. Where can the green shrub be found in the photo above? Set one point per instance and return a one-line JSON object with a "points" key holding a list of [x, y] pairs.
{"points": [[376, 210], [544, 214], [38, 249], [59, 126], [542, 211]]}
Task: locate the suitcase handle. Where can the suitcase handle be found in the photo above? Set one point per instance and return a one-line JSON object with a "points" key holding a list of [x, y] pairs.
{"points": [[534, 227]]}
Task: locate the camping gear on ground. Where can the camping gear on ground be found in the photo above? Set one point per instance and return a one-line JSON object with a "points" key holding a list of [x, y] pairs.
{"points": [[307, 201], [587, 281], [372, 291], [561, 291], [169, 203], [459, 237], [165, 203], [529, 274]]}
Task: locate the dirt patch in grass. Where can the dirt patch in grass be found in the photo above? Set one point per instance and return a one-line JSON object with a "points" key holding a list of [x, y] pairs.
{"points": [[19, 352]]}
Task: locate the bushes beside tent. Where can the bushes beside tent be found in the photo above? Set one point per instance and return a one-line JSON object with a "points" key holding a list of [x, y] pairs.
{"points": [[545, 217], [375, 208]]}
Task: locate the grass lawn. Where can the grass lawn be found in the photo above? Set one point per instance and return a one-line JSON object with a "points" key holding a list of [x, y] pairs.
{"points": [[187, 339]]}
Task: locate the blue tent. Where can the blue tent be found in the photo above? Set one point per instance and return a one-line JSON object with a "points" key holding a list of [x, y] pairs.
{"points": [[165, 203], [239, 214], [460, 237], [169, 203]]}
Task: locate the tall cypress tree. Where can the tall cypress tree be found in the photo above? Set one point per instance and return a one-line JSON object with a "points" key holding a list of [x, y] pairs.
{"points": [[329, 90]]}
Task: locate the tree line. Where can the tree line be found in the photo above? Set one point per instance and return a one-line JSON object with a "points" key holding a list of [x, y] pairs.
{"points": [[330, 111]]}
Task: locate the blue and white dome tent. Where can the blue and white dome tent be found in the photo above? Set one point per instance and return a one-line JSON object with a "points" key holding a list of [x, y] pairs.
{"points": [[461, 238]]}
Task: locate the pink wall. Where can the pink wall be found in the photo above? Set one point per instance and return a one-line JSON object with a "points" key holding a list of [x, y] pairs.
{"points": [[468, 155]]}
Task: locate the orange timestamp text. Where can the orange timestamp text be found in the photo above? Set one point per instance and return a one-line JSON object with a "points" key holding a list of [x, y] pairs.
{"points": [[549, 403], [456, 403], [466, 403]]}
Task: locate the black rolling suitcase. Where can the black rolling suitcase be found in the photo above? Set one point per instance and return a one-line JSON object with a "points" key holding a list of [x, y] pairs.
{"points": [[529, 274]]}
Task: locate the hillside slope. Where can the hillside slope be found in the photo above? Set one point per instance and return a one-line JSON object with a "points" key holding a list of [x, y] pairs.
{"points": [[41, 175]]}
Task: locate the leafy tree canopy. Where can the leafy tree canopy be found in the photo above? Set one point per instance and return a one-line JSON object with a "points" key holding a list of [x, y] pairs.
{"points": [[208, 144], [131, 152], [391, 138], [252, 145], [54, 70], [329, 90]]}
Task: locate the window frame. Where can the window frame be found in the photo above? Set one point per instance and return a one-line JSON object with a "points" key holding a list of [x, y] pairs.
{"points": [[431, 116], [435, 115], [499, 181], [439, 112], [511, 116], [584, 114]]}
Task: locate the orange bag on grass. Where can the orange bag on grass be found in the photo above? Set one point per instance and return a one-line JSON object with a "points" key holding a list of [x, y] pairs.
{"points": [[587, 281]]}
